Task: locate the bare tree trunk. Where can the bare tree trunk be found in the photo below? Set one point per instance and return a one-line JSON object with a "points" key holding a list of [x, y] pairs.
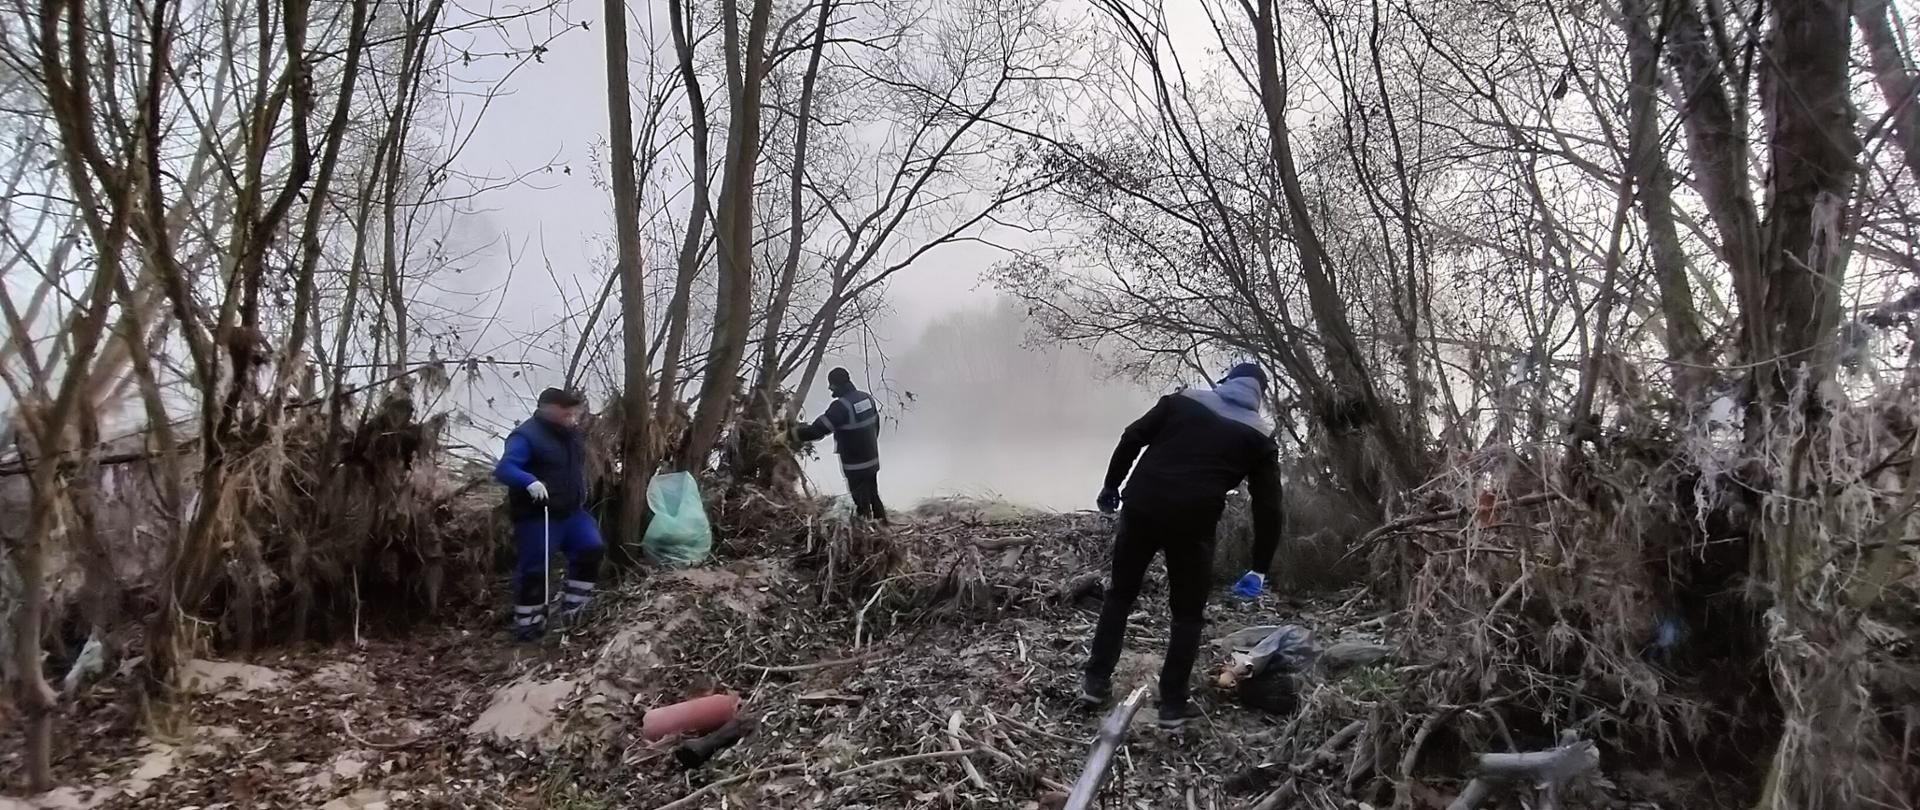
{"points": [[193, 563], [1413, 286], [413, 62], [1812, 146], [35, 696], [1894, 74], [310, 247], [376, 191], [50, 413], [796, 235], [1582, 423], [1717, 147], [746, 73], [817, 351], [636, 456], [104, 195], [1812, 149], [689, 261], [1653, 182], [298, 553], [349, 312], [1353, 409]]}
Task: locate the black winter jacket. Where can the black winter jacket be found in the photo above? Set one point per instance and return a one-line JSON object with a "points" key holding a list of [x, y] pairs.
{"points": [[1199, 446], [854, 421]]}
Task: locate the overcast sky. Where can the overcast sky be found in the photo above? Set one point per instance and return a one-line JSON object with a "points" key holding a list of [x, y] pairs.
{"points": [[556, 110]]}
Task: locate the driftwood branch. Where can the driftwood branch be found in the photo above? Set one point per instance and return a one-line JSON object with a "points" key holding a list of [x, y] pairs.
{"points": [[953, 739], [1403, 786], [1281, 796], [23, 466], [954, 754], [1001, 543], [1475, 792], [858, 659], [1329, 751], [1100, 759], [1555, 765], [1325, 755], [1549, 769]]}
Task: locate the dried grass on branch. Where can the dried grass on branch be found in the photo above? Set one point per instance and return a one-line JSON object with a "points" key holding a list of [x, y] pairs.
{"points": [[1679, 598], [1838, 577], [315, 536]]}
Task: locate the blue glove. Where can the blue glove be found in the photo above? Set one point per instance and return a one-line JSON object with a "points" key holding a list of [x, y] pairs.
{"points": [[1109, 500], [1249, 585]]}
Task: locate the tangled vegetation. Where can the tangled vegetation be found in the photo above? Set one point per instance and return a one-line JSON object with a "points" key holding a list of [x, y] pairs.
{"points": [[1592, 327]]}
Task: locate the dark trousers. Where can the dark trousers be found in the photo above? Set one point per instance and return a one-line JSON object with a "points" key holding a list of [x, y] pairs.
{"points": [[1187, 542], [576, 537], [864, 487]]}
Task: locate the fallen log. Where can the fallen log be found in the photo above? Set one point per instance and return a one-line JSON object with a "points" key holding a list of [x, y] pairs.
{"points": [[1546, 769], [1100, 759], [1554, 765]]}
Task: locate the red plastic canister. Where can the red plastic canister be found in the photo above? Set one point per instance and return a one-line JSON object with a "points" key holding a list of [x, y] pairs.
{"points": [[696, 716]]}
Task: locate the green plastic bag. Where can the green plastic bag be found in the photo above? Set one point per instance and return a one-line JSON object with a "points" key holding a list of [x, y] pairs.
{"points": [[679, 534]]}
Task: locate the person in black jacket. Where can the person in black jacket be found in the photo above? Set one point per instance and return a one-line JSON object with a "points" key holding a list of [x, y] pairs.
{"points": [[1199, 446], [544, 470], [854, 421]]}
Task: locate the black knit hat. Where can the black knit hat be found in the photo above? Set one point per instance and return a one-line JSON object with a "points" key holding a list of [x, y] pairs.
{"points": [[562, 397]]}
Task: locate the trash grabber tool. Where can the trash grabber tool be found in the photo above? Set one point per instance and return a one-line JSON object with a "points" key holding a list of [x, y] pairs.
{"points": [[546, 558]]}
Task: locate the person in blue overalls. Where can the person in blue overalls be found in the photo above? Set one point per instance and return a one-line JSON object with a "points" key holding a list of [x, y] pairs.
{"points": [[854, 421], [544, 470]]}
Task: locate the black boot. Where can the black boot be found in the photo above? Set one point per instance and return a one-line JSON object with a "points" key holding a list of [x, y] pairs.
{"points": [[1176, 716], [530, 607], [575, 597], [529, 622], [1095, 692]]}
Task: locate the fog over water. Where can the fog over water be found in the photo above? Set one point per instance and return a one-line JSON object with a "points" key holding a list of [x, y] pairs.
{"points": [[973, 408]]}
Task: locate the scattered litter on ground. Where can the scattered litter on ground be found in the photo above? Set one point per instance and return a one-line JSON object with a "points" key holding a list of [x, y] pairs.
{"points": [[943, 675], [229, 679], [522, 712]]}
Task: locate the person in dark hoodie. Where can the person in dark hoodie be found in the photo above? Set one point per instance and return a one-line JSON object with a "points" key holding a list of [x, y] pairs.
{"points": [[1198, 446], [544, 470], [854, 421]]}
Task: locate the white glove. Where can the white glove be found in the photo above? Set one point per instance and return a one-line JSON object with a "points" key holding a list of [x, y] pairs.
{"points": [[538, 491]]}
